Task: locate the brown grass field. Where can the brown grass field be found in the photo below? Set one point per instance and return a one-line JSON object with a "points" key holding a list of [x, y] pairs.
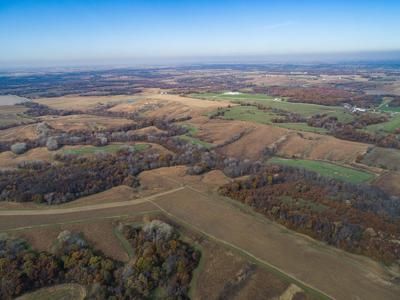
{"points": [[171, 177], [389, 182], [337, 273], [289, 143], [58, 292], [83, 102], [324, 267], [85, 122], [19, 132], [9, 160]]}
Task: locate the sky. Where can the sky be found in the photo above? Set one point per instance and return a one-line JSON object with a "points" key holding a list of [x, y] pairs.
{"points": [[78, 31]]}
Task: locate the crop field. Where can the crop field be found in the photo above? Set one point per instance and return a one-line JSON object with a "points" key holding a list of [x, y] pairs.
{"points": [[223, 221], [112, 148], [258, 239], [84, 102], [302, 127], [303, 109], [21, 132], [246, 233], [326, 169], [86, 122], [249, 113], [253, 114]]}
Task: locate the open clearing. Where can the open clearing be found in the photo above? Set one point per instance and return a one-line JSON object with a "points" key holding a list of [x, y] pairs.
{"points": [[288, 143], [12, 115], [9, 160], [253, 114], [325, 169], [86, 122], [21, 132], [111, 148], [84, 102], [342, 275], [388, 127], [303, 109], [58, 292]]}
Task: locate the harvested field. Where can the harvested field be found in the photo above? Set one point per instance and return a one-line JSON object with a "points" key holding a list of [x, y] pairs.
{"points": [[171, 106], [220, 131], [218, 277], [335, 272], [73, 215], [60, 292], [342, 275], [171, 177], [9, 160], [191, 102], [86, 122], [84, 102], [252, 144], [292, 144], [115, 194], [23, 132]]}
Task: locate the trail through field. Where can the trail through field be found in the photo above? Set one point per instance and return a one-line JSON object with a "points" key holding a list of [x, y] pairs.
{"points": [[55, 211], [309, 264]]}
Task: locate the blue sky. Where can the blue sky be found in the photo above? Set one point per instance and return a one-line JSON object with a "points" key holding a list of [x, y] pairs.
{"points": [[61, 30]]}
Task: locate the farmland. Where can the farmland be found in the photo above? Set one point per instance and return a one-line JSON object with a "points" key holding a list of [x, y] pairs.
{"points": [[387, 127], [326, 169], [223, 224], [300, 108], [87, 150], [260, 196]]}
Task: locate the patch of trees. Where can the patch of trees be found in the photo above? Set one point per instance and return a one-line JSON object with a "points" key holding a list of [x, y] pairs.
{"points": [[315, 95], [78, 176], [350, 133], [37, 110], [357, 219], [351, 130], [161, 260], [323, 95]]}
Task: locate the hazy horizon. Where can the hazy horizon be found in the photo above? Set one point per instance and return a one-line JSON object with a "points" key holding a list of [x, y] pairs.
{"points": [[49, 33]]}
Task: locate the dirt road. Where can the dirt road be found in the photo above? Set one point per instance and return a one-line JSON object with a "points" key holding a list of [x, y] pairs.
{"points": [[334, 272]]}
